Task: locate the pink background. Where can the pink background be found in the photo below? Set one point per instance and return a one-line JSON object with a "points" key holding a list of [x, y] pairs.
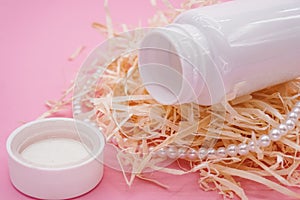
{"points": [[36, 39]]}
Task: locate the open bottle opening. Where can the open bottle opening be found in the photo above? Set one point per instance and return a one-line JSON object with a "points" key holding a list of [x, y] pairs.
{"points": [[167, 73]]}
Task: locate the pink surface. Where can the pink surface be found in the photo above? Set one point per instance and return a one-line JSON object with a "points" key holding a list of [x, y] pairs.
{"points": [[36, 38]]}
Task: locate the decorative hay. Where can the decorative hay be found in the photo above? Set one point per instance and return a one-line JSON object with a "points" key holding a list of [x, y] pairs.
{"points": [[137, 125]]}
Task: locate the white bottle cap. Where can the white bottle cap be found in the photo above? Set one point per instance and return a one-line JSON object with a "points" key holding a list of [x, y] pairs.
{"points": [[55, 158]]}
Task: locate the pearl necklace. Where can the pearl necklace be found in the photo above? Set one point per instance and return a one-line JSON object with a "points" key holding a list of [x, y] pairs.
{"points": [[232, 150]]}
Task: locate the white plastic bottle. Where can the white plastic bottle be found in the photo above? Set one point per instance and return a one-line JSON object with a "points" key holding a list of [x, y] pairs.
{"points": [[219, 52]]}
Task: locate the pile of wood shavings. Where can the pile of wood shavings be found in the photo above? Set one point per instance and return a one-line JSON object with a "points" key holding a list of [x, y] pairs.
{"points": [[137, 124]]}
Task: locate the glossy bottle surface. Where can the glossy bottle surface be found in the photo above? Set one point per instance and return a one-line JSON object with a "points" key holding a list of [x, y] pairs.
{"points": [[219, 52]]}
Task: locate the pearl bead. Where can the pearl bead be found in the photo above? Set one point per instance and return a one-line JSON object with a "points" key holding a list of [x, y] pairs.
{"points": [[221, 152], [172, 152], [211, 153], [252, 146], [202, 153], [76, 101], [76, 107], [243, 149], [275, 135], [293, 116], [297, 105], [290, 124], [296, 110], [182, 152], [283, 129], [264, 141], [77, 112], [162, 153], [192, 154], [232, 150]]}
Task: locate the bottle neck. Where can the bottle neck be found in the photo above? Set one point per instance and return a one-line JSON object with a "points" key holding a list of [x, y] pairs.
{"points": [[172, 63]]}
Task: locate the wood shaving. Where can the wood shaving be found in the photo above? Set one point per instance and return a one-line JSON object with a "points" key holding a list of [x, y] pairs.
{"points": [[76, 53], [128, 115]]}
